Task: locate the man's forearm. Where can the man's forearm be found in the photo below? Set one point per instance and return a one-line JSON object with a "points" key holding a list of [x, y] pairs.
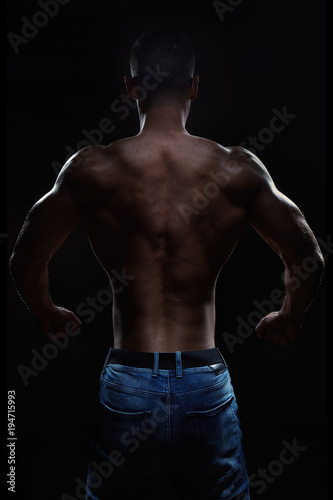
{"points": [[31, 281], [302, 280]]}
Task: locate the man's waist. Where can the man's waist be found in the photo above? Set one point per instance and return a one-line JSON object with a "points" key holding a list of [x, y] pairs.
{"points": [[189, 359]]}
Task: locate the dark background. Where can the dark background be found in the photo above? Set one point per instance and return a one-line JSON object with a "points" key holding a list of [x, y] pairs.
{"points": [[264, 55]]}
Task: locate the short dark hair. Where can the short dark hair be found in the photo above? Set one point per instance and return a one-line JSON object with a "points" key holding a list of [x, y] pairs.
{"points": [[169, 51]]}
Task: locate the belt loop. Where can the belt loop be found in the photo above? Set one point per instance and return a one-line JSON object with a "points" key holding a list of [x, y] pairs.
{"points": [[179, 368], [156, 361], [107, 359], [222, 357]]}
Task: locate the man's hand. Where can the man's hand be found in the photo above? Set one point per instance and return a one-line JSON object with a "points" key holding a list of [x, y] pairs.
{"points": [[278, 328], [56, 320]]}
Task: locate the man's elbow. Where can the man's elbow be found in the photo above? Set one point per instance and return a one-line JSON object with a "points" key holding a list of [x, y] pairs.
{"points": [[22, 261], [316, 254], [313, 261], [16, 264], [320, 262], [307, 260]]}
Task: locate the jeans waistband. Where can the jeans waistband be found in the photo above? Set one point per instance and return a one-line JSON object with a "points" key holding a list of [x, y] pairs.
{"points": [[165, 360]]}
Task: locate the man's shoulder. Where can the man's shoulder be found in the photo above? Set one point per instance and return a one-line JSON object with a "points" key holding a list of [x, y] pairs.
{"points": [[88, 161], [235, 159], [236, 154], [246, 163], [243, 172]]}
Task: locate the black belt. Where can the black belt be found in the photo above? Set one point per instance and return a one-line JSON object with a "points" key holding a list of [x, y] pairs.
{"points": [[167, 360]]}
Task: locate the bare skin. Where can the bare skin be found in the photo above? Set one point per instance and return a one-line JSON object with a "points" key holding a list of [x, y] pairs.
{"points": [[140, 200]]}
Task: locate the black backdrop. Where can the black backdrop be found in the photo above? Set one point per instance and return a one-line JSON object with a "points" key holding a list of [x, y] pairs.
{"points": [[256, 59]]}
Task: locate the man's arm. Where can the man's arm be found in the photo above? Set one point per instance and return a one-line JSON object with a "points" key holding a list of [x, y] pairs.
{"points": [[47, 225], [283, 226]]}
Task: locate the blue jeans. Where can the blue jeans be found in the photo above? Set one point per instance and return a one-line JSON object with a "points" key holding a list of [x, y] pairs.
{"points": [[181, 421]]}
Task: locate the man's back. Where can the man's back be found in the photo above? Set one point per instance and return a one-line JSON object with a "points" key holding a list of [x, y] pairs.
{"points": [[167, 212], [165, 208]]}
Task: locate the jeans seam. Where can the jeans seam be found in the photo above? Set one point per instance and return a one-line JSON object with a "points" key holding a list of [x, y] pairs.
{"points": [[168, 419], [203, 390], [129, 390], [235, 432]]}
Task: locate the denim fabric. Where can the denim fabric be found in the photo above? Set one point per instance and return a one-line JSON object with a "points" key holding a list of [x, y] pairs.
{"points": [[182, 422]]}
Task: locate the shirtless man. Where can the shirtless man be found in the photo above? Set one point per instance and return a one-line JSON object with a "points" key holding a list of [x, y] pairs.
{"points": [[164, 375]]}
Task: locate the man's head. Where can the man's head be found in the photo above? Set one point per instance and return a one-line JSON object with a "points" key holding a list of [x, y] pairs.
{"points": [[162, 67]]}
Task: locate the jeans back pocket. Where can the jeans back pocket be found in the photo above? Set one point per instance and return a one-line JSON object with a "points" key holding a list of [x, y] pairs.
{"points": [[217, 437]]}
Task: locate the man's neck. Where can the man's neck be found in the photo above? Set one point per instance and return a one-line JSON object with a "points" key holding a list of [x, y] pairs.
{"points": [[164, 117]]}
